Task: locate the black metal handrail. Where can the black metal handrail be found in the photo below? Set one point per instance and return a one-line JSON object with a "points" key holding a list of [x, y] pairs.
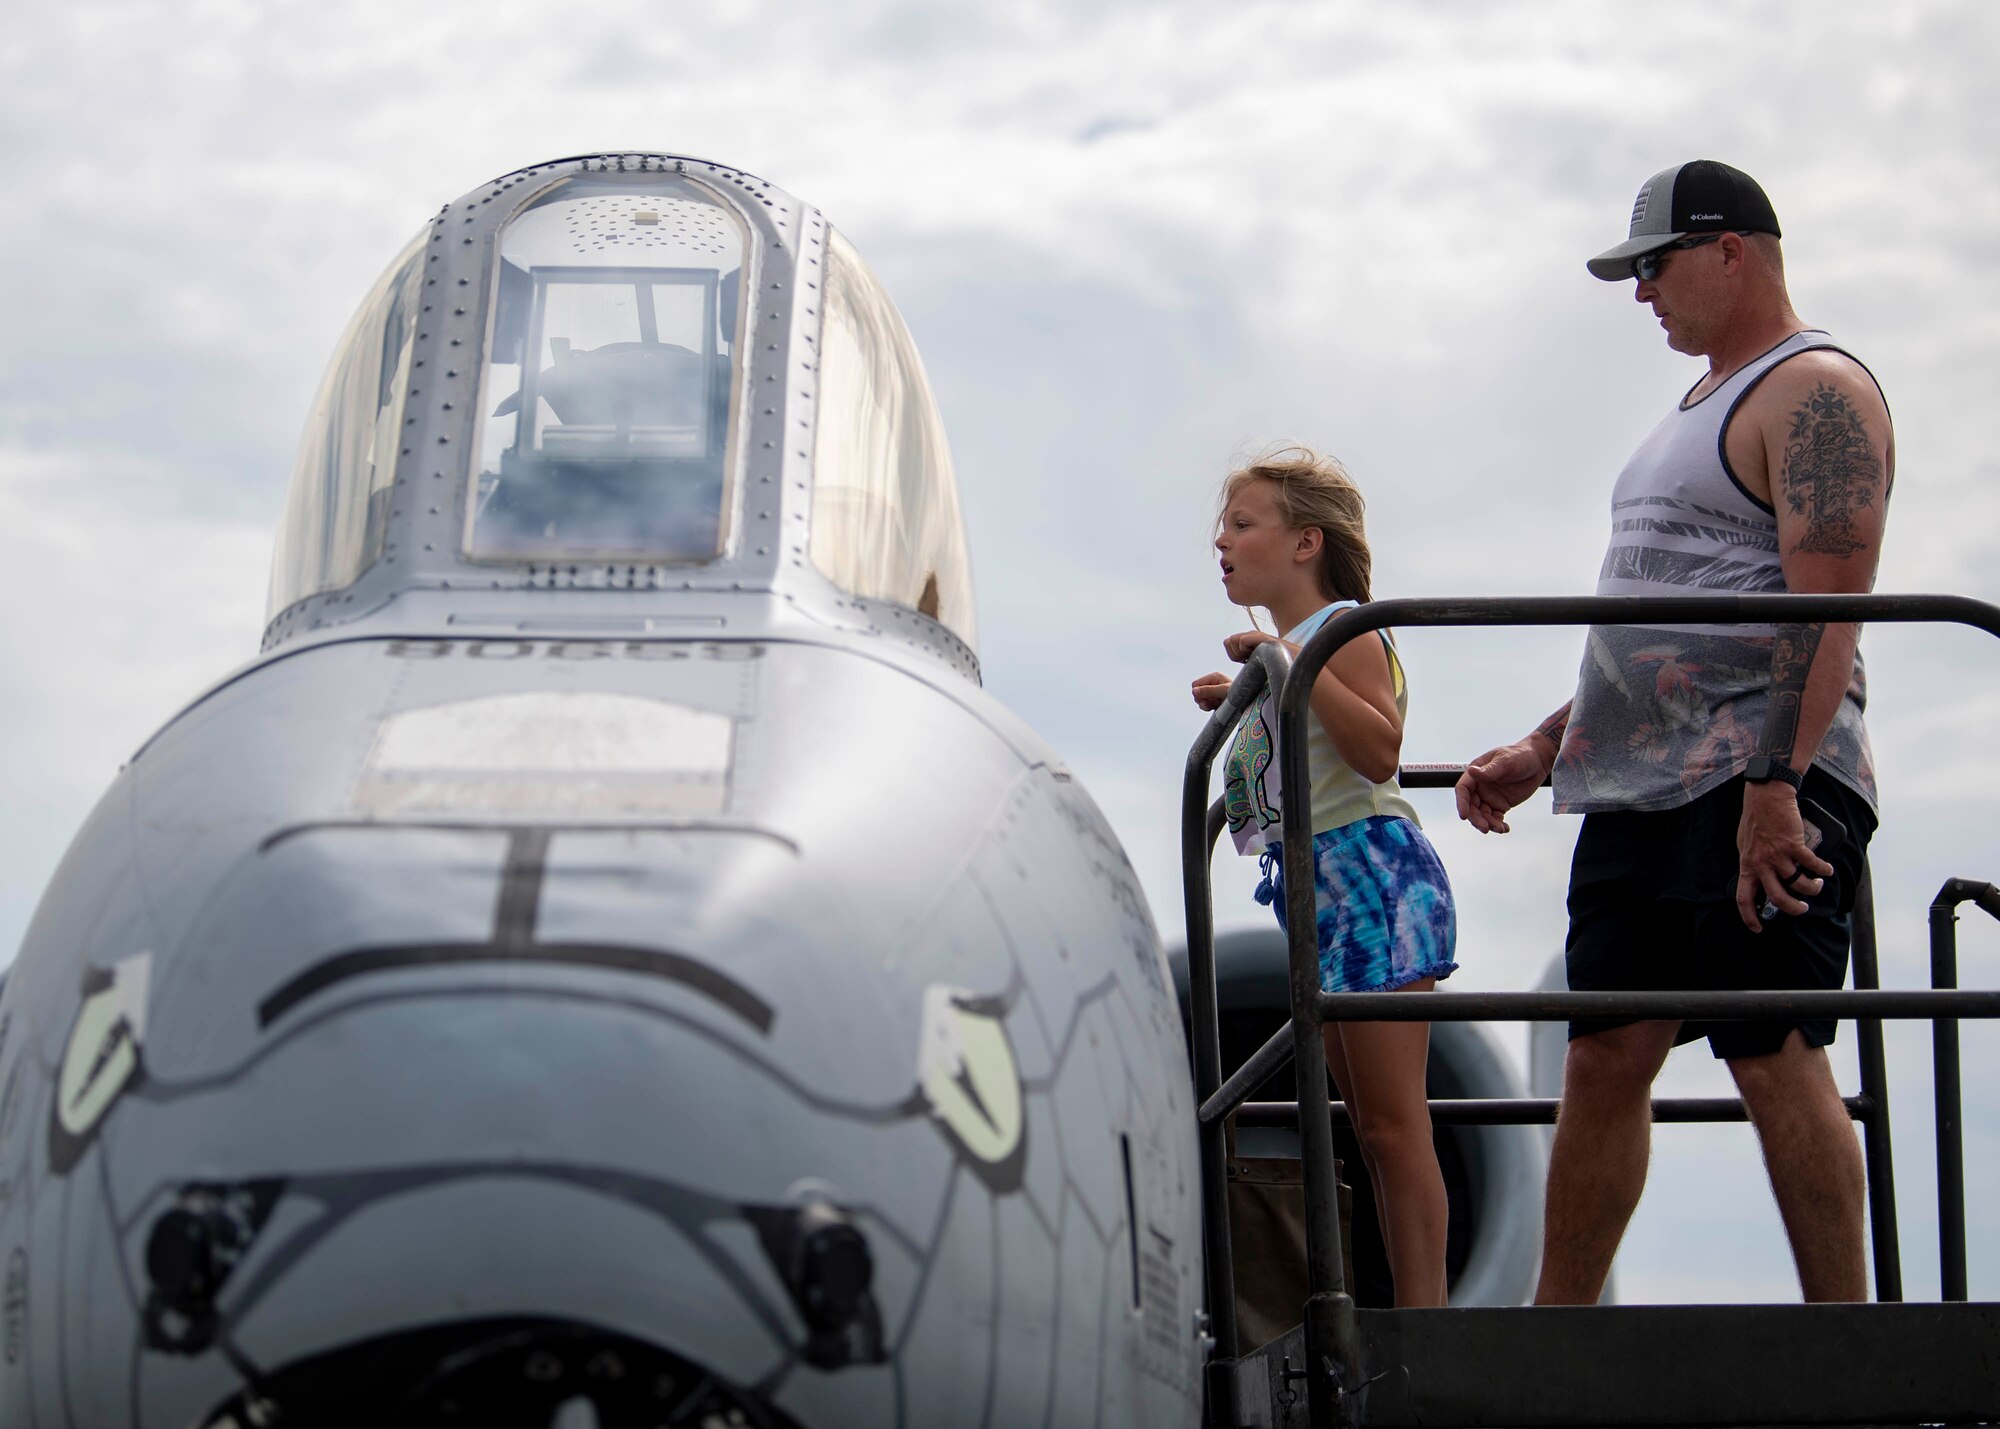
{"points": [[1200, 826], [1655, 1006], [1527, 1111], [1330, 1334], [1944, 1080], [1266, 1061], [1870, 1109]]}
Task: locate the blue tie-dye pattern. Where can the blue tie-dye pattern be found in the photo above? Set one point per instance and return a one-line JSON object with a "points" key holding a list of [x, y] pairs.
{"points": [[1366, 943]]}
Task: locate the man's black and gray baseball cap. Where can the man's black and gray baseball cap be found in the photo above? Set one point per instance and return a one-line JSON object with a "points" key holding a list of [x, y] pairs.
{"points": [[1701, 196]]}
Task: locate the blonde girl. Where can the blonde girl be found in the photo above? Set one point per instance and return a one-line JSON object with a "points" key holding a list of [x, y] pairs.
{"points": [[1291, 541]]}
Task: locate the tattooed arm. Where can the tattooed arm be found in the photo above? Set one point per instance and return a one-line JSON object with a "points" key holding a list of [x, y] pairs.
{"points": [[1551, 729], [1830, 485], [1501, 778], [1827, 459]]}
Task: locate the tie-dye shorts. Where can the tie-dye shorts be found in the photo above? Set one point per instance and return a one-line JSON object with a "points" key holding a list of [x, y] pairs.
{"points": [[1385, 912]]}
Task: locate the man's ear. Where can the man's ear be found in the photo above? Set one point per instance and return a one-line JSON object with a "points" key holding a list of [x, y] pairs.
{"points": [[1734, 252], [1311, 540]]}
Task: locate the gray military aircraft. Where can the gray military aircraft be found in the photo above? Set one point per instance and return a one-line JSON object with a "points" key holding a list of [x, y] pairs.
{"points": [[607, 962]]}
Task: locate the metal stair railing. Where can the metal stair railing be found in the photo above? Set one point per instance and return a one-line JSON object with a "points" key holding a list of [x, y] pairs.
{"points": [[1491, 1367], [1870, 1108], [1945, 1080]]}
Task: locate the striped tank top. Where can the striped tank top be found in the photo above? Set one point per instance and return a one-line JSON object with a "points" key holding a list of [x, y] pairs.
{"points": [[1665, 713]]}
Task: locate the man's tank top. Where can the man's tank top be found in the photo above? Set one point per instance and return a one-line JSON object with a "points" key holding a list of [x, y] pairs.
{"points": [[1665, 713], [1251, 792]]}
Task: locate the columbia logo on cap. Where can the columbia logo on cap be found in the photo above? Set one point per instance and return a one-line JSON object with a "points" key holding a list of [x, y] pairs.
{"points": [[1699, 194]]}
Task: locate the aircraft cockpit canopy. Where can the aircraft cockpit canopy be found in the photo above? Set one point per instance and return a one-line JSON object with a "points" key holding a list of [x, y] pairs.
{"points": [[610, 375], [886, 522], [607, 421], [338, 505]]}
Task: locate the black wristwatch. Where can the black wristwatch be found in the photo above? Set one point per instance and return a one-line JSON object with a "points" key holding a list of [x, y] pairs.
{"points": [[1762, 769]]}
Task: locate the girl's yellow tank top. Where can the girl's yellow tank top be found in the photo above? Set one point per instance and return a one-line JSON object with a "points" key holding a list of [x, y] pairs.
{"points": [[1340, 796]]}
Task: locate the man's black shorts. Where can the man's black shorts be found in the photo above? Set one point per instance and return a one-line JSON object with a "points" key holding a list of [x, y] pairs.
{"points": [[1652, 907]]}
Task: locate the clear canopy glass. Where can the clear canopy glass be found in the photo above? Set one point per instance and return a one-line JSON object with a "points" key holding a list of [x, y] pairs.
{"points": [[611, 376], [886, 522], [338, 505]]}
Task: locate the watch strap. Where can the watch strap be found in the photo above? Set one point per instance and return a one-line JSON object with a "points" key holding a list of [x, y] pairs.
{"points": [[1762, 769]]}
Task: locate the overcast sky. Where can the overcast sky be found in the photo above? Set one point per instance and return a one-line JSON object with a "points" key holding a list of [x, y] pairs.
{"points": [[1135, 243]]}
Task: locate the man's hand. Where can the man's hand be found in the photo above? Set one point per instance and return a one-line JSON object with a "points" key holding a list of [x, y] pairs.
{"points": [[1238, 646], [1210, 689], [1773, 859], [1501, 778]]}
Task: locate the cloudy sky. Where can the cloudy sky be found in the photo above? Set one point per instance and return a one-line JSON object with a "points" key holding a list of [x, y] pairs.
{"points": [[1135, 242]]}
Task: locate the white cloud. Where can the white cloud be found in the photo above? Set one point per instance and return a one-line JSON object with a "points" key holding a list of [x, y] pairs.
{"points": [[1135, 242], [120, 609]]}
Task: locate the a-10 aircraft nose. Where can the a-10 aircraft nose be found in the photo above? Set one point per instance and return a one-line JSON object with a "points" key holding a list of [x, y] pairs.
{"points": [[576, 1181], [829, 1102], [608, 962]]}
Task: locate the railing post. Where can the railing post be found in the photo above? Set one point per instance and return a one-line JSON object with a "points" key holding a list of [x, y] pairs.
{"points": [[1944, 1079], [1197, 883], [1944, 1082], [1220, 1372], [1883, 1235], [1200, 825], [1331, 1340], [1196, 844]]}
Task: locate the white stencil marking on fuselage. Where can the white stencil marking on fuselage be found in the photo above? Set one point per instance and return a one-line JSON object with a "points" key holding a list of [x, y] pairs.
{"points": [[550, 752]]}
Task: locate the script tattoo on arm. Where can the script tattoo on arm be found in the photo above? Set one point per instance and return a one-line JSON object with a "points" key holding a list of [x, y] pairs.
{"points": [[1791, 663], [1552, 728], [1830, 473]]}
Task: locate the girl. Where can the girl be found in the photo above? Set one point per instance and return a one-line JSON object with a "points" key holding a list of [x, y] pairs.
{"points": [[1291, 540]]}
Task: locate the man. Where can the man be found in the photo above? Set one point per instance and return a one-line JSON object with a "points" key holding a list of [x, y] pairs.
{"points": [[1688, 749]]}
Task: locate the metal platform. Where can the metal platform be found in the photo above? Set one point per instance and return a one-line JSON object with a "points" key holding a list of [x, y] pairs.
{"points": [[1723, 1365], [1736, 1365]]}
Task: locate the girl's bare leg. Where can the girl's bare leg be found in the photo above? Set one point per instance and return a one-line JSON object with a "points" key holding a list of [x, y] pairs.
{"points": [[1379, 1068]]}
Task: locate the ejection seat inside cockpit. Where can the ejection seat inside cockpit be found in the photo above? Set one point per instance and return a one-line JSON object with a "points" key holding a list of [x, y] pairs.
{"points": [[615, 329]]}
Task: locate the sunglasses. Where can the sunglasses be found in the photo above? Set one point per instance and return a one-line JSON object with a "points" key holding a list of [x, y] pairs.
{"points": [[1646, 267]]}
